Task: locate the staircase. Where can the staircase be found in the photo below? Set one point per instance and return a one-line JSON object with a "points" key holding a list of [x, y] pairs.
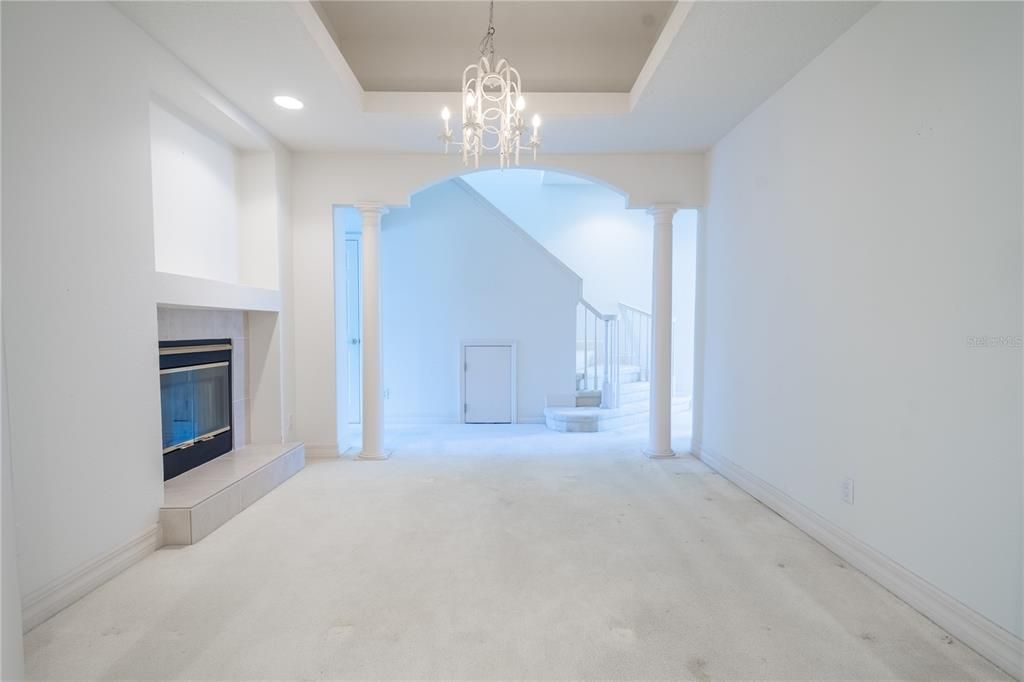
{"points": [[612, 372], [613, 359], [586, 415]]}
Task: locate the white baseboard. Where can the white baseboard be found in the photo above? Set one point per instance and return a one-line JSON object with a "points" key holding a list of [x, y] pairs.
{"points": [[1001, 647], [321, 451], [50, 599], [432, 421]]}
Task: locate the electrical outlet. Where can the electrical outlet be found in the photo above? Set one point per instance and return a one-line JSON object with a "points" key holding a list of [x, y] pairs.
{"points": [[848, 490], [387, 394]]}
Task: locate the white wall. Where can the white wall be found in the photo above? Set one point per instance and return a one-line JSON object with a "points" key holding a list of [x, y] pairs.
{"points": [[258, 217], [684, 296], [863, 225], [79, 318], [195, 200], [80, 329], [317, 414], [273, 379], [390, 179], [12, 658], [588, 227], [12, 653], [453, 268]]}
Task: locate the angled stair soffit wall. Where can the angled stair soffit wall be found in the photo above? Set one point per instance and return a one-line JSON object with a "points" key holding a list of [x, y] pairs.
{"points": [[517, 229]]}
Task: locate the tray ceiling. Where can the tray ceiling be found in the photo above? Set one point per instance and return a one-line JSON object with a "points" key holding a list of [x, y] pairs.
{"points": [[711, 65], [582, 46]]}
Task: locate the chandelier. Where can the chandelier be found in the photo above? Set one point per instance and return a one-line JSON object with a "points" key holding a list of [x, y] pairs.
{"points": [[493, 109]]}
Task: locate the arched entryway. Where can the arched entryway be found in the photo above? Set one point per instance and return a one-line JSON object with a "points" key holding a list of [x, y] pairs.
{"points": [[368, 344]]}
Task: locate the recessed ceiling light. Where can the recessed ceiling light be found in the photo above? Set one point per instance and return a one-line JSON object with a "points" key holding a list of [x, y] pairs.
{"points": [[288, 102]]}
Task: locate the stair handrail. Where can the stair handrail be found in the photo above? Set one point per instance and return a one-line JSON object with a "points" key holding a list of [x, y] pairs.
{"points": [[597, 313], [609, 383], [636, 333], [634, 309], [608, 340]]}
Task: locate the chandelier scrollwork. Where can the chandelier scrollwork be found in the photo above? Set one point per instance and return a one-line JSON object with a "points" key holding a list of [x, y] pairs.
{"points": [[493, 110]]}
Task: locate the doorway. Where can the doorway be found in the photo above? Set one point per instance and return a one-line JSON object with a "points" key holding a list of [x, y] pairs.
{"points": [[455, 267]]}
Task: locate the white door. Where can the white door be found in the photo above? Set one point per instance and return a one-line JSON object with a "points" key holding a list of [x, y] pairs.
{"points": [[488, 384], [354, 330]]}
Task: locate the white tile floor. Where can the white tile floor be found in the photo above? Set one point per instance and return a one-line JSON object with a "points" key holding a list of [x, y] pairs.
{"points": [[499, 552]]}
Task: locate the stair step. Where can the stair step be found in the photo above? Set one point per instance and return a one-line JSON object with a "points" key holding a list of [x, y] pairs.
{"points": [[635, 387], [588, 398], [633, 392], [592, 419]]}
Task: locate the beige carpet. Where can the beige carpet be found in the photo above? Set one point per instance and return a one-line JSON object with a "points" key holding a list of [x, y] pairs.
{"points": [[499, 552]]}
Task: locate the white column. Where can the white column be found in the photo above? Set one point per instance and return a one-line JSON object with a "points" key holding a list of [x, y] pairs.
{"points": [[371, 213], [660, 442]]}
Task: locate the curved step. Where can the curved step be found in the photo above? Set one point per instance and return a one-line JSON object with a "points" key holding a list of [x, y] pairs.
{"points": [[593, 419]]}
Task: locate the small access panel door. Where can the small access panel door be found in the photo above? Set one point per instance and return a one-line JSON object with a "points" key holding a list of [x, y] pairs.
{"points": [[488, 384]]}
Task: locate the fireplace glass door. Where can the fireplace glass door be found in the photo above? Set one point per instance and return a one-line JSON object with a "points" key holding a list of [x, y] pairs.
{"points": [[195, 403]]}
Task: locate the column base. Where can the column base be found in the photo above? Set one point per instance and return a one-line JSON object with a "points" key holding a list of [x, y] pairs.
{"points": [[655, 454], [368, 456]]}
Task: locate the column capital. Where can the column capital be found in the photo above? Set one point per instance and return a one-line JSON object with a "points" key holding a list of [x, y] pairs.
{"points": [[371, 207], [663, 210]]}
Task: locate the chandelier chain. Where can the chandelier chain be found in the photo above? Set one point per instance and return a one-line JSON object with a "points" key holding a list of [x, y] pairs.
{"points": [[487, 44]]}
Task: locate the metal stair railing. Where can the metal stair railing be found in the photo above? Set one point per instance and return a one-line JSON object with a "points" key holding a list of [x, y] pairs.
{"points": [[597, 353], [636, 340]]}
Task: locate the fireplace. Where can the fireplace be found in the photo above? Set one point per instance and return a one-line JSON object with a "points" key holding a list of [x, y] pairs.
{"points": [[195, 402]]}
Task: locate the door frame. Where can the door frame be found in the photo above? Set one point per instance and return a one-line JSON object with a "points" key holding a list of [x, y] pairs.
{"points": [[462, 373]]}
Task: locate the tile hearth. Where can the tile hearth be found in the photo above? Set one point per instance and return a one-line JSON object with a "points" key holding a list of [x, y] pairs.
{"points": [[205, 498]]}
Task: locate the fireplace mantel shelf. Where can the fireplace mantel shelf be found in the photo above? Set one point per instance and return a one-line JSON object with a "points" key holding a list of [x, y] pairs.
{"points": [[195, 292]]}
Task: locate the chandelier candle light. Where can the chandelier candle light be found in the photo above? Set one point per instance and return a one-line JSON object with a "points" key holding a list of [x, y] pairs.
{"points": [[493, 109]]}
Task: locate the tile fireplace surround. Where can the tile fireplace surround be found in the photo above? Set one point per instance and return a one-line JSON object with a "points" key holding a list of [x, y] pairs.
{"points": [[180, 324], [204, 498]]}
